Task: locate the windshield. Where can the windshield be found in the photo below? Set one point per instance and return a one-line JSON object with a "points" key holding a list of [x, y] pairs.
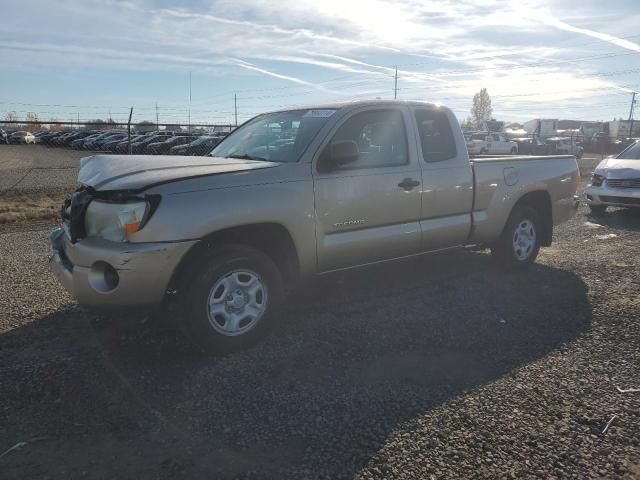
{"points": [[278, 137], [632, 152]]}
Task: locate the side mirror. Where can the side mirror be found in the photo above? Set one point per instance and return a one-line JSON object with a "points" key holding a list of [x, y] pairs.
{"points": [[344, 152], [337, 154]]}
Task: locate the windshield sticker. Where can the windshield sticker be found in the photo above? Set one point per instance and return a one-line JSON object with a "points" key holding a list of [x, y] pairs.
{"points": [[319, 113]]}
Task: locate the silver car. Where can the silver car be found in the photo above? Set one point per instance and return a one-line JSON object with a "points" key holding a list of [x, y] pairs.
{"points": [[616, 182]]}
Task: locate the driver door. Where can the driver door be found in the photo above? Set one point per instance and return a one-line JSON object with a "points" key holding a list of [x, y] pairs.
{"points": [[369, 209]]}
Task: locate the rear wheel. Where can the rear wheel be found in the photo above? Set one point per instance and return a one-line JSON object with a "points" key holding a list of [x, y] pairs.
{"points": [[231, 298], [598, 210], [483, 151], [519, 244]]}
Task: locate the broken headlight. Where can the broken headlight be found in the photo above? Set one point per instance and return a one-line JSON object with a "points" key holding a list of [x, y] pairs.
{"points": [[115, 221], [596, 180]]}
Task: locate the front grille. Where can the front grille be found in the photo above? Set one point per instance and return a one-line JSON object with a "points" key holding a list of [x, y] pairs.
{"points": [[623, 183], [620, 200]]}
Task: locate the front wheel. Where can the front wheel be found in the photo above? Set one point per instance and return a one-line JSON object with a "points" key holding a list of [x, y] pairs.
{"points": [[519, 244], [230, 302]]}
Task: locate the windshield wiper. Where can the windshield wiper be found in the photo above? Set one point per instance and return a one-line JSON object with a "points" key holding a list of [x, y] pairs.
{"points": [[245, 156]]}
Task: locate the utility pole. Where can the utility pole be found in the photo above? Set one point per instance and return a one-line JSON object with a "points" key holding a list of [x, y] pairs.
{"points": [[78, 119], [157, 121], [235, 107], [395, 86], [633, 102], [129, 130], [189, 126]]}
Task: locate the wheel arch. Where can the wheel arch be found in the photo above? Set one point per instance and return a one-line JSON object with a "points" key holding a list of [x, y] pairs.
{"points": [[539, 200], [272, 239]]}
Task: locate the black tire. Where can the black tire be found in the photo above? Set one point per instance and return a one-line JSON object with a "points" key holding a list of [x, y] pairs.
{"points": [[483, 151], [504, 250], [598, 210], [194, 318]]}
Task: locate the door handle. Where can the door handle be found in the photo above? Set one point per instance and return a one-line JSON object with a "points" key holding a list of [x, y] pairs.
{"points": [[408, 184]]}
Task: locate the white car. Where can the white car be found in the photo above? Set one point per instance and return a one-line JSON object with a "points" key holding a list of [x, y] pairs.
{"points": [[566, 146], [22, 137], [615, 182], [490, 144]]}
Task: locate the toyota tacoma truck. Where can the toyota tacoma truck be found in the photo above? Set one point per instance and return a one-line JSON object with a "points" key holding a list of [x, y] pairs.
{"points": [[290, 195]]}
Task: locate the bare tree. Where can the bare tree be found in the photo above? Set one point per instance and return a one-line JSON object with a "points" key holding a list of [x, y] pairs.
{"points": [[32, 117], [11, 117], [481, 109], [467, 124], [145, 126], [54, 127]]}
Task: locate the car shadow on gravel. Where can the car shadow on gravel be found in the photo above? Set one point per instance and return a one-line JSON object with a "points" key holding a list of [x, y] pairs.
{"points": [[354, 357], [618, 219]]}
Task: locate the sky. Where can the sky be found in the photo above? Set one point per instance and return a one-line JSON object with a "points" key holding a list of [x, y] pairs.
{"points": [[88, 59]]}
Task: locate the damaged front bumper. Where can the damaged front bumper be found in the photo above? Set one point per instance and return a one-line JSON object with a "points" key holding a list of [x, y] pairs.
{"points": [[100, 272], [604, 195]]}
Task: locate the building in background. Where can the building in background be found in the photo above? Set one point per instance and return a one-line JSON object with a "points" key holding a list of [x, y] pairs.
{"points": [[541, 127], [591, 129], [622, 128]]}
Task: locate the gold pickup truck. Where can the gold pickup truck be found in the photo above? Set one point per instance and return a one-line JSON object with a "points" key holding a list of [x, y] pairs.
{"points": [[293, 194]]}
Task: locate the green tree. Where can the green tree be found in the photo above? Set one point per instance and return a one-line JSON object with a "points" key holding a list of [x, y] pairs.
{"points": [[481, 109]]}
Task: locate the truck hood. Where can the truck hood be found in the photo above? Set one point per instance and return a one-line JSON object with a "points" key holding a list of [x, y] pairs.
{"points": [[134, 172], [619, 168]]}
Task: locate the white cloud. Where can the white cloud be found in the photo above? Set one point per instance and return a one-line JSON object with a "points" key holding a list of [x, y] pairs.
{"points": [[289, 78], [444, 48], [620, 42]]}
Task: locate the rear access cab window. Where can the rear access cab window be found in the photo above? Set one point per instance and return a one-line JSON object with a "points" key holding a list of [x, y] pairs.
{"points": [[436, 136]]}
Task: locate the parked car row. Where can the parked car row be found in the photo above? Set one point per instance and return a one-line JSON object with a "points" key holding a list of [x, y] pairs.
{"points": [[487, 143], [161, 142], [17, 137]]}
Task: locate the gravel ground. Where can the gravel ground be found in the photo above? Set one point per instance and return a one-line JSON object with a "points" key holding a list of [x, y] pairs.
{"points": [[441, 367]]}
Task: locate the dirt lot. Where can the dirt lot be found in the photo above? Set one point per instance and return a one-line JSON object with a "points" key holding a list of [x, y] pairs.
{"points": [[34, 181], [442, 367]]}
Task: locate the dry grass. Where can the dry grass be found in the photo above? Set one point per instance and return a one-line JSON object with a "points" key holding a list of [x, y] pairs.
{"points": [[22, 208]]}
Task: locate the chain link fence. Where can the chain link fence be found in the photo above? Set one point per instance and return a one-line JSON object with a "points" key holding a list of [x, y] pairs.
{"points": [[142, 138], [45, 155]]}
